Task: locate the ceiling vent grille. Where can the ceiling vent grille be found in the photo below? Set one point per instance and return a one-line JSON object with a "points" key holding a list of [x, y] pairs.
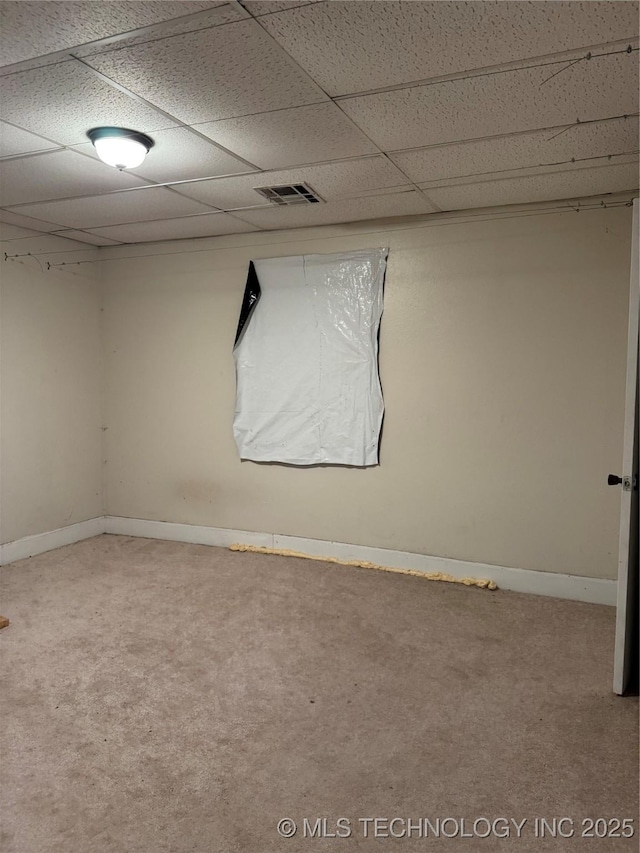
{"points": [[289, 194]]}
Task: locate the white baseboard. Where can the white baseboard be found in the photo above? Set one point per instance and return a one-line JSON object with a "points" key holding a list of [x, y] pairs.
{"points": [[219, 536], [574, 587], [29, 546]]}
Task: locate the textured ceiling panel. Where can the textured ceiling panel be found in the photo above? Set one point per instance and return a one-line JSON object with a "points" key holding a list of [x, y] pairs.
{"points": [[87, 213], [216, 17], [353, 210], [29, 29], [286, 137], [579, 182], [211, 225], [13, 140], [498, 103], [14, 232], [218, 73], [59, 174], [179, 154], [27, 221], [50, 243], [39, 62], [522, 151], [331, 181], [268, 7], [85, 237], [337, 42], [63, 101]]}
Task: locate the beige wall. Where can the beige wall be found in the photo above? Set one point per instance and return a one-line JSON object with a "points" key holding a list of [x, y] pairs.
{"points": [[502, 365], [50, 399]]}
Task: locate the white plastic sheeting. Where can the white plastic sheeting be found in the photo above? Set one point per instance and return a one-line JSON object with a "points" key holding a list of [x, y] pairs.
{"points": [[308, 391]]}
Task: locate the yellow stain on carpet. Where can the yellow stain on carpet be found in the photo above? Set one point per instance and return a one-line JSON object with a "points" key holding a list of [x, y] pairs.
{"points": [[482, 583]]}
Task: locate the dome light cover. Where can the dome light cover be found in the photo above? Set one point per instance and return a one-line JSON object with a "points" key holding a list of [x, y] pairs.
{"points": [[119, 146]]}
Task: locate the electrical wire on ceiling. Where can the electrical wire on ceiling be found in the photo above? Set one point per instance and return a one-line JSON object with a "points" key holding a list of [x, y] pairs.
{"points": [[472, 75], [588, 56], [450, 220]]}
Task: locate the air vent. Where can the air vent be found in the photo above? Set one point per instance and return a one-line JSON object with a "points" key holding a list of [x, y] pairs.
{"points": [[289, 194]]}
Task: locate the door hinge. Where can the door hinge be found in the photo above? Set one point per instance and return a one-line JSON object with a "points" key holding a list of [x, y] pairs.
{"points": [[629, 483]]}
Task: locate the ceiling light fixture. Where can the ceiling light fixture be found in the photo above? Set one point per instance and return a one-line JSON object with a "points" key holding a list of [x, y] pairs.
{"points": [[119, 146]]}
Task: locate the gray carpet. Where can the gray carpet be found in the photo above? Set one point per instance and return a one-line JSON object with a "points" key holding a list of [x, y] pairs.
{"points": [[159, 697]]}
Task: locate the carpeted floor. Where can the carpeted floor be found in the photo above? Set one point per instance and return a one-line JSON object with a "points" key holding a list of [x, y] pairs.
{"points": [[159, 697]]}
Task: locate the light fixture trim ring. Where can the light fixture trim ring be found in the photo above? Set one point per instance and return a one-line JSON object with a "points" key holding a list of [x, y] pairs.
{"points": [[120, 133]]}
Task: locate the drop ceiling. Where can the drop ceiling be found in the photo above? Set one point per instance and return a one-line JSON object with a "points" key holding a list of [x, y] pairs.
{"points": [[384, 109]]}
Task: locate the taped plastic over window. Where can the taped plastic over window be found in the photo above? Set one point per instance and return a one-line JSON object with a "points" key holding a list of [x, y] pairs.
{"points": [[252, 294], [308, 390]]}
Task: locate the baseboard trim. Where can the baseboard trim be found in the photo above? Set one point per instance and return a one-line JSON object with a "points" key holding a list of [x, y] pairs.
{"points": [[29, 546], [573, 587], [192, 533]]}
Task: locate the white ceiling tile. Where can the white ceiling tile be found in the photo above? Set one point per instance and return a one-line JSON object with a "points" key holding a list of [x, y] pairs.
{"points": [[547, 187], [39, 62], [85, 237], [217, 73], [209, 225], [29, 29], [351, 210], [59, 174], [14, 232], [49, 243], [14, 140], [223, 13], [268, 7], [358, 46], [64, 101], [331, 181], [179, 154], [466, 159], [131, 206], [285, 137], [497, 103], [27, 221]]}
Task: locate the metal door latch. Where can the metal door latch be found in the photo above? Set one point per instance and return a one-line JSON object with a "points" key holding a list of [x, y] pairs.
{"points": [[628, 483]]}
